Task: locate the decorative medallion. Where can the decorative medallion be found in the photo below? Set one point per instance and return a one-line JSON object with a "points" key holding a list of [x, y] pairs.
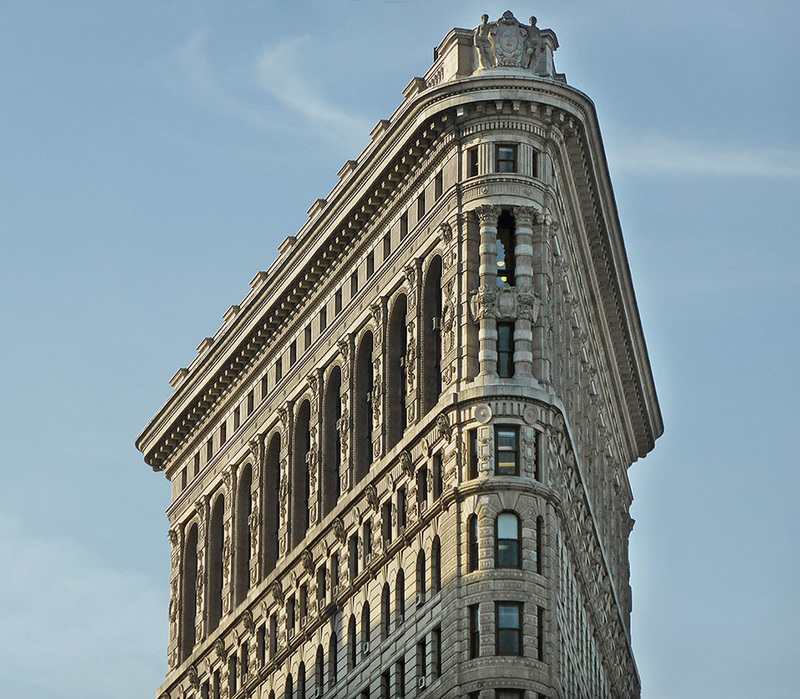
{"points": [[483, 413]]}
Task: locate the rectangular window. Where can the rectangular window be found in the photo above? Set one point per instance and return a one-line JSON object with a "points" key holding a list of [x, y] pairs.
{"points": [[505, 350], [422, 670], [505, 158], [472, 464], [438, 478], [278, 369], [322, 585], [243, 664], [472, 162], [535, 164], [353, 284], [401, 509], [303, 604], [251, 403], [293, 353], [438, 185], [386, 522], [421, 206], [236, 418], [474, 631], [436, 643], [209, 449], [205, 691], [323, 319], [273, 635], [370, 264], [422, 488], [196, 463], [540, 633], [217, 683], [233, 676], [337, 302], [290, 614], [307, 337], [367, 539], [509, 628], [385, 678], [403, 226], [334, 574], [400, 679], [387, 246], [261, 647], [353, 557], [223, 433], [507, 461], [183, 478], [264, 387]]}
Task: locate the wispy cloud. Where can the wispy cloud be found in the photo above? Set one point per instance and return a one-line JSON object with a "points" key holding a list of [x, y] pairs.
{"points": [[663, 155], [280, 75], [204, 83], [71, 626], [272, 91]]}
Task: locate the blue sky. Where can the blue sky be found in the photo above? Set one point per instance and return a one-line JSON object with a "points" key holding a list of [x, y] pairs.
{"points": [[152, 157]]}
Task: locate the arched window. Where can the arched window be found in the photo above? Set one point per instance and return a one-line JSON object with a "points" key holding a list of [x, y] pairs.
{"points": [[319, 671], [472, 543], [362, 408], [365, 621], [400, 596], [243, 543], [301, 681], [215, 541], [300, 475], [289, 691], [436, 565], [333, 659], [508, 537], [396, 376], [420, 578], [271, 519], [432, 336], [385, 612], [351, 642], [332, 444], [189, 593]]}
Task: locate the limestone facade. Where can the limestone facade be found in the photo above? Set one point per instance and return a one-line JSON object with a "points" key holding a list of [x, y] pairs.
{"points": [[399, 468]]}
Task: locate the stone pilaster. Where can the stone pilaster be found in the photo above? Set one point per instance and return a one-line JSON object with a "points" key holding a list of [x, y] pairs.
{"points": [[527, 304], [378, 311], [347, 351], [542, 278], [286, 415], [413, 272], [487, 334]]}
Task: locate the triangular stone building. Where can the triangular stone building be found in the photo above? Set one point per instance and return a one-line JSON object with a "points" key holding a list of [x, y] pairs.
{"points": [[399, 468]]}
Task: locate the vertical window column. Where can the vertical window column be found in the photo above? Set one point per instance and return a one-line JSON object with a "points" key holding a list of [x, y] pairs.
{"points": [[541, 240], [487, 334], [528, 303]]}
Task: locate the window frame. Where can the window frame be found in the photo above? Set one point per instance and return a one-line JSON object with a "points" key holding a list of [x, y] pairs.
{"points": [[510, 632], [517, 540], [505, 350], [511, 429], [500, 163]]}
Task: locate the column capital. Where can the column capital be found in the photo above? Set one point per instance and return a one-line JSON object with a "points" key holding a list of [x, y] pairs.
{"points": [[526, 216], [488, 214]]}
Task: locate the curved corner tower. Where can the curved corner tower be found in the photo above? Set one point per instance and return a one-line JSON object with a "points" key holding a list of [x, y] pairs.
{"points": [[399, 468]]}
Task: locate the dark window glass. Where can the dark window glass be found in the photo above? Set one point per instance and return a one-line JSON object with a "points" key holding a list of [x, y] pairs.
{"points": [[337, 301], [535, 164], [472, 544], [540, 633], [386, 522], [472, 465], [506, 158], [353, 284], [472, 162], [508, 540], [474, 631], [250, 403], [539, 544], [436, 641], [505, 243], [400, 678], [505, 350], [264, 387], [237, 420], [403, 226], [422, 488], [438, 478], [196, 463], [509, 628], [278, 369], [400, 596], [353, 557], [421, 205], [401, 509], [367, 541], [323, 319], [438, 185], [292, 353], [507, 456], [223, 433], [307, 337], [209, 449], [387, 246], [370, 264]]}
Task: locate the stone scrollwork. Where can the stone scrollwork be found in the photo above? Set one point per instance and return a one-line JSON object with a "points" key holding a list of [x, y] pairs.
{"points": [[446, 232], [488, 214], [482, 301], [529, 305]]}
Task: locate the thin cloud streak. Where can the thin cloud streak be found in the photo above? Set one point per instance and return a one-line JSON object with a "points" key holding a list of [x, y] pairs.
{"points": [[279, 75], [662, 155]]}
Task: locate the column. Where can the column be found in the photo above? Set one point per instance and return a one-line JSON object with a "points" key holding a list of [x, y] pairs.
{"points": [[527, 302], [487, 334]]}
